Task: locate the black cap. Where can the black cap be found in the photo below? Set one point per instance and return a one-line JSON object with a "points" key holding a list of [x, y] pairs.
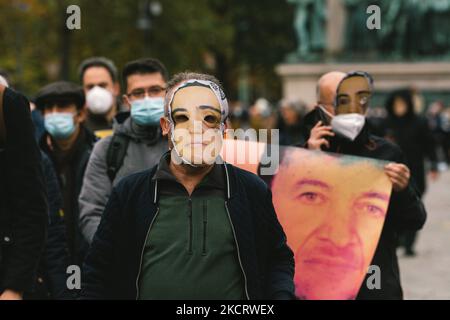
{"points": [[60, 93]]}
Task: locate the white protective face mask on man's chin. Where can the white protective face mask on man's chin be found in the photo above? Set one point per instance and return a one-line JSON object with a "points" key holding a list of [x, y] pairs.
{"points": [[99, 100], [348, 125]]}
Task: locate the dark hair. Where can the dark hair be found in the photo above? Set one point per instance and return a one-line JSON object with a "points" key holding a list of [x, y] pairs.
{"points": [[403, 94], [60, 93], [98, 62], [143, 66]]}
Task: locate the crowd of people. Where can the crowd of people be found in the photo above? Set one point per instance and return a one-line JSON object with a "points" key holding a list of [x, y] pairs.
{"points": [[91, 171]]}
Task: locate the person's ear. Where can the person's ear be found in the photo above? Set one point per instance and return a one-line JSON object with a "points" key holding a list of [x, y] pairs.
{"points": [[81, 115], [126, 101], [165, 125], [116, 89], [226, 125]]}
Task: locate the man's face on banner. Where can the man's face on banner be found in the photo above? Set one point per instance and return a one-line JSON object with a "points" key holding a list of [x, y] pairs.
{"points": [[332, 210]]}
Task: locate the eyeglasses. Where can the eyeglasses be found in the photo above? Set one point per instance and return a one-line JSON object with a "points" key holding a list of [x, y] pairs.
{"points": [[141, 92]]}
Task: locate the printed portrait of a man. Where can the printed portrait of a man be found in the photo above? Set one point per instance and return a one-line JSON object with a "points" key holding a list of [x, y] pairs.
{"points": [[332, 209]]}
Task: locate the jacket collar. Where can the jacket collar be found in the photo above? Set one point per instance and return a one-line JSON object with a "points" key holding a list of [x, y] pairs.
{"points": [[156, 172], [341, 144]]}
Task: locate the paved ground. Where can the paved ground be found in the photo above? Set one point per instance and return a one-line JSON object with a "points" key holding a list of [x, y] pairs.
{"points": [[427, 276]]}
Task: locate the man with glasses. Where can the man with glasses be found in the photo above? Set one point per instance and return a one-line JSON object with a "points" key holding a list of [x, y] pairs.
{"points": [[136, 144]]}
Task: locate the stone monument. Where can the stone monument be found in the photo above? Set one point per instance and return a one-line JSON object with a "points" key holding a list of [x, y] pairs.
{"points": [[412, 47]]}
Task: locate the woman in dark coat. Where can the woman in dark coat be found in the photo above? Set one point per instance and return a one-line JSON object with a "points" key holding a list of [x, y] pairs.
{"points": [[412, 134]]}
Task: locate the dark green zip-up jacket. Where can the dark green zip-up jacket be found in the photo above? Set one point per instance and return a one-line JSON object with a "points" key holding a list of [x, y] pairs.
{"points": [[113, 266], [190, 251]]}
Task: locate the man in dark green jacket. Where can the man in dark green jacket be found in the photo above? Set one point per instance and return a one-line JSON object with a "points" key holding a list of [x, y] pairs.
{"points": [[191, 227]]}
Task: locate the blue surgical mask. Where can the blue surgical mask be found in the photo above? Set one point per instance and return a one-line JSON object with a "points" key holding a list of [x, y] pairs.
{"points": [[148, 111], [59, 125]]}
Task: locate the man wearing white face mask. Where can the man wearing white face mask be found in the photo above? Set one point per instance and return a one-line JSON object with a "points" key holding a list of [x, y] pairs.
{"points": [[190, 227], [136, 144], [99, 78], [348, 133]]}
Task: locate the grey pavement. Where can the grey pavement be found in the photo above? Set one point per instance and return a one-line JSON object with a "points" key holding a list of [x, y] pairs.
{"points": [[427, 276]]}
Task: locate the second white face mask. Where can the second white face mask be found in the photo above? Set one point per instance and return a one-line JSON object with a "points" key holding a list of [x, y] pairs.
{"points": [[99, 100], [348, 125]]}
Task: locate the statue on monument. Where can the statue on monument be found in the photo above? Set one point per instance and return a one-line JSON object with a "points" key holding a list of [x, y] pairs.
{"points": [[440, 25], [410, 28], [309, 24], [358, 39]]}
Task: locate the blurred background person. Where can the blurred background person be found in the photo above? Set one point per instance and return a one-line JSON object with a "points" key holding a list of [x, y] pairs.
{"points": [[412, 134], [418, 100], [446, 138], [439, 124], [290, 122], [262, 117], [239, 117], [376, 117], [99, 78]]}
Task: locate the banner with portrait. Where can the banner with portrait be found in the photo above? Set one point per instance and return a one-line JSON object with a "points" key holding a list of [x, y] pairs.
{"points": [[332, 209]]}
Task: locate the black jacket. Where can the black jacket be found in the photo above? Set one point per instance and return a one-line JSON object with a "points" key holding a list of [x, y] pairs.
{"points": [[405, 211], [414, 137], [412, 134], [52, 274], [77, 245], [23, 206], [112, 266]]}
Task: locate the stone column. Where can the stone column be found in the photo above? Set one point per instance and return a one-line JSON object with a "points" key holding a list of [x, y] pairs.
{"points": [[335, 29]]}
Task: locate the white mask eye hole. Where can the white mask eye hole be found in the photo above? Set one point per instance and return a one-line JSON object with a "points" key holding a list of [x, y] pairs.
{"points": [[180, 118], [211, 120]]}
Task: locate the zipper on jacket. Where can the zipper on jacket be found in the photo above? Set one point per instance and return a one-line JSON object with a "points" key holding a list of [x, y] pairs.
{"points": [[238, 253], [142, 253], [205, 222], [190, 225]]}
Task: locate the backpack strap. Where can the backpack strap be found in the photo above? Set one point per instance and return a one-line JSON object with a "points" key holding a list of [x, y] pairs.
{"points": [[115, 154]]}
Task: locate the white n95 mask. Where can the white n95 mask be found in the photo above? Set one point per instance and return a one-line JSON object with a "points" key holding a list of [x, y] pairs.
{"points": [[348, 125], [99, 100]]}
